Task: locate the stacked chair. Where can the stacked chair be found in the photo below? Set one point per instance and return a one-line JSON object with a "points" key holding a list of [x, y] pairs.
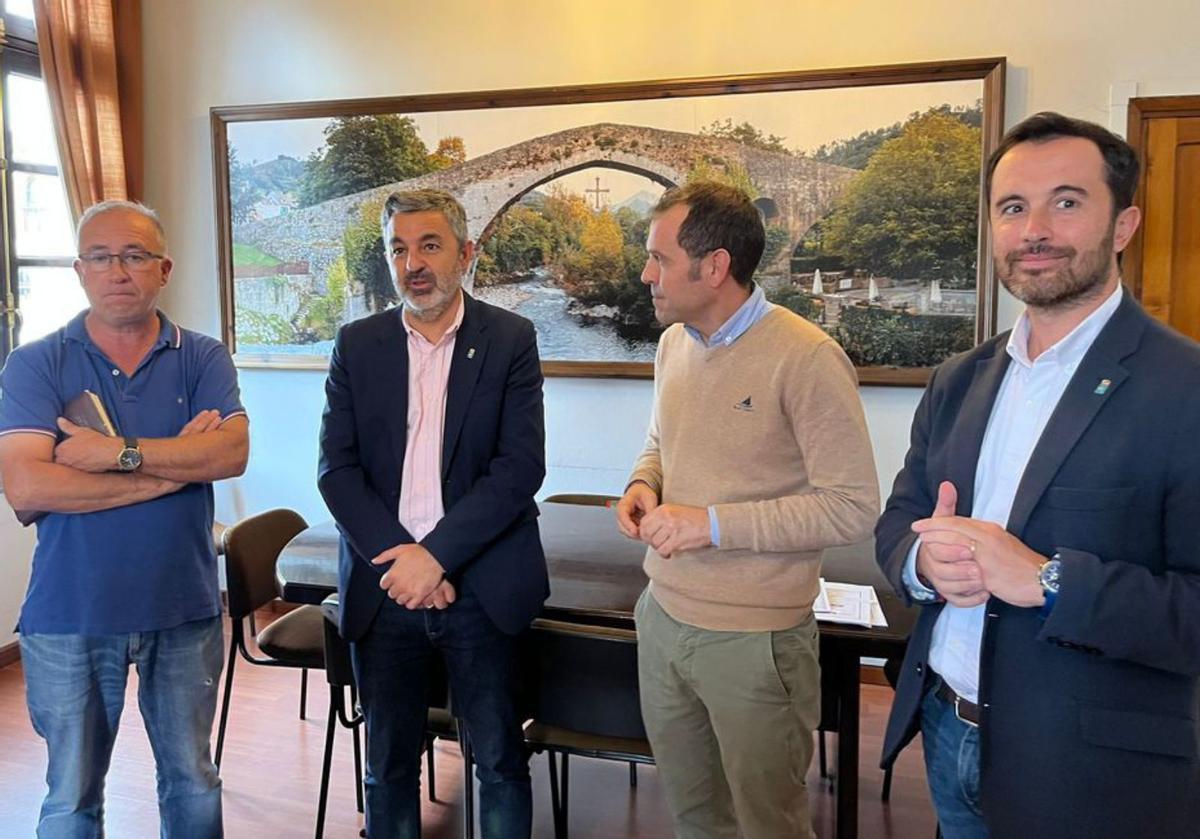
{"points": [[296, 639], [584, 683]]}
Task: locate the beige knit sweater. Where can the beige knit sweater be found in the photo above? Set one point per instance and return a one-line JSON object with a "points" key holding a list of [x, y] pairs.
{"points": [[770, 429]]}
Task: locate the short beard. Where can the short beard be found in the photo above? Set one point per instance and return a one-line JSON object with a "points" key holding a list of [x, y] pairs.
{"points": [[429, 314], [1064, 288]]}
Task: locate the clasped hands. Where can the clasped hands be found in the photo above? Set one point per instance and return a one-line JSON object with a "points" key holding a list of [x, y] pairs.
{"points": [[668, 528], [416, 580], [967, 560]]}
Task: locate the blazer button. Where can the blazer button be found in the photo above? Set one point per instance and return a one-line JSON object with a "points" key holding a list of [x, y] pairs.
{"points": [[920, 669]]}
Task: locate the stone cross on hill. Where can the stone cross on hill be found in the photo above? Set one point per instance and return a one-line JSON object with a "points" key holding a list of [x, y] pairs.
{"points": [[597, 192]]}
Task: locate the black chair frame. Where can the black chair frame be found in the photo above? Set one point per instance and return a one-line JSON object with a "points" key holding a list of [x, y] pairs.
{"points": [[244, 596], [586, 711]]}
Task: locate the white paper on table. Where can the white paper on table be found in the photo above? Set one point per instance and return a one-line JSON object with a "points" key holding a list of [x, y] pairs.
{"points": [[821, 604], [848, 603]]}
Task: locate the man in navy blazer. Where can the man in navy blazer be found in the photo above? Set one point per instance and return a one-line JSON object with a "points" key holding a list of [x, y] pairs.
{"points": [[1046, 520], [432, 447]]}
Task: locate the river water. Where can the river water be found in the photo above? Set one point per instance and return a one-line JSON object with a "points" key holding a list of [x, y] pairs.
{"points": [[561, 336]]}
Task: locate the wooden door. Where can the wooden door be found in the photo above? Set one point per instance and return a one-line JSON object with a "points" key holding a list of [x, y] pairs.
{"points": [[1163, 262]]}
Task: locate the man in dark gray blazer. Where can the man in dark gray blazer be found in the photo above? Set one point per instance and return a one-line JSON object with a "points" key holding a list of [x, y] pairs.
{"points": [[1047, 519], [432, 447]]}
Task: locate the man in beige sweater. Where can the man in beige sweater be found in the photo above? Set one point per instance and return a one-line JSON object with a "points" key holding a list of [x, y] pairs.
{"points": [[756, 459]]}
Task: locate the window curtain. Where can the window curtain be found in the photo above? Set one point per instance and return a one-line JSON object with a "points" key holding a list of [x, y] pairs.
{"points": [[91, 52]]}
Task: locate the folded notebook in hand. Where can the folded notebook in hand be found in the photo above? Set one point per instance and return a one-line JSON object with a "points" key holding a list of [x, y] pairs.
{"points": [[87, 410]]}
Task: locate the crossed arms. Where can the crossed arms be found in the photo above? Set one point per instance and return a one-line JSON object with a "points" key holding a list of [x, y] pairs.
{"points": [[75, 476]]}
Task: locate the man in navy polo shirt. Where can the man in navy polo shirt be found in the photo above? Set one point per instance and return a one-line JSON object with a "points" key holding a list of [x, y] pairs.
{"points": [[124, 571]]}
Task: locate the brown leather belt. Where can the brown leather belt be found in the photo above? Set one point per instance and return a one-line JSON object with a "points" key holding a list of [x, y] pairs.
{"points": [[966, 711]]}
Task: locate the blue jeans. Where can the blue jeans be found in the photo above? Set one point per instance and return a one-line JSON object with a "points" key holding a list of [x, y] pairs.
{"points": [[392, 666], [75, 687], [952, 766]]}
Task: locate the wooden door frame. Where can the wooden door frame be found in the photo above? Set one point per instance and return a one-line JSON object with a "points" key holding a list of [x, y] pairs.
{"points": [[1143, 109]]}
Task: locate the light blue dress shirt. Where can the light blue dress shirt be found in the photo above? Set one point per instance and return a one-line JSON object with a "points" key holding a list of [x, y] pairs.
{"points": [[1028, 396]]}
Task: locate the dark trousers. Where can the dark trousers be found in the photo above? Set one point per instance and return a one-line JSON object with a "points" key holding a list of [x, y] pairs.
{"points": [[392, 664]]}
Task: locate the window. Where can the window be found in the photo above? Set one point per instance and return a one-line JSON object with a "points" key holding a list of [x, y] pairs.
{"points": [[39, 291]]}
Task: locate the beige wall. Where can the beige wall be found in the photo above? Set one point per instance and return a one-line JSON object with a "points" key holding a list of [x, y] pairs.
{"points": [[16, 546]]}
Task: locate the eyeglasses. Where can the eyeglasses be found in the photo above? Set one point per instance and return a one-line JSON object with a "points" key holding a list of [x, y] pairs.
{"points": [[131, 260]]}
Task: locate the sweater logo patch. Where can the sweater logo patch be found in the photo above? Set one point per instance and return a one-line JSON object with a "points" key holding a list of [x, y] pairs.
{"points": [[744, 405]]}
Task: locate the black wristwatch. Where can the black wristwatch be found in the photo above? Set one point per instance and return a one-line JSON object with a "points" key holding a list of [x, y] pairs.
{"points": [[1050, 575], [1050, 578], [130, 458]]}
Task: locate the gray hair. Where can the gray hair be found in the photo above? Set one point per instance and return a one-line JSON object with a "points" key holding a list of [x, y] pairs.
{"points": [[112, 206], [423, 201]]}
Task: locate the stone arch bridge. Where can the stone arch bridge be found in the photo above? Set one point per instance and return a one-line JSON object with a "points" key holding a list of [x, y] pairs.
{"points": [[798, 191]]}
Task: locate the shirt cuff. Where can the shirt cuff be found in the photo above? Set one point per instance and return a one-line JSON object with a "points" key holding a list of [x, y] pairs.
{"points": [[714, 527], [916, 589]]}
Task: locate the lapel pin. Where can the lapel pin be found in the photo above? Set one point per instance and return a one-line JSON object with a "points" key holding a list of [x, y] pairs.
{"points": [[1102, 388], [471, 354]]}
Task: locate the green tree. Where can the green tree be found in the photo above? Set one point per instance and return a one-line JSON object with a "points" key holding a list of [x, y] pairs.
{"points": [[777, 238], [523, 240], [634, 226], [361, 153], [871, 336], [721, 170], [366, 260], [599, 262], [913, 210], [321, 316], [451, 151], [855, 152], [746, 134], [244, 193], [568, 214], [798, 301]]}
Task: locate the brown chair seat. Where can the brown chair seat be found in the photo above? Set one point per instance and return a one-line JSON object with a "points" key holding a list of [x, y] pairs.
{"points": [[297, 638], [539, 736]]}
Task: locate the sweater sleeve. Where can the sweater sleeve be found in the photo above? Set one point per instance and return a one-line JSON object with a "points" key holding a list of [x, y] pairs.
{"points": [[648, 467], [826, 415]]}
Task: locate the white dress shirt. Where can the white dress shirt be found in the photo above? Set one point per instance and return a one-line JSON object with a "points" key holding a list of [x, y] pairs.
{"points": [[1028, 396]]}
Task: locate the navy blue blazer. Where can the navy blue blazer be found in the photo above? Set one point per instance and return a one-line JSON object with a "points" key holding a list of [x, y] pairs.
{"points": [[493, 461], [1089, 716]]}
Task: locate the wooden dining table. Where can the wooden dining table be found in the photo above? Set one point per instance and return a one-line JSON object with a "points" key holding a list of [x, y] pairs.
{"points": [[596, 576]]}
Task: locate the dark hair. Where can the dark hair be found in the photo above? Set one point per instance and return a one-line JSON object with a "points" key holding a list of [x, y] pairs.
{"points": [[426, 200], [719, 217], [1120, 160]]}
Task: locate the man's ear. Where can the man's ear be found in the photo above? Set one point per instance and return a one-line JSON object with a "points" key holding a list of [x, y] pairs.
{"points": [[467, 254], [1125, 226], [719, 263]]}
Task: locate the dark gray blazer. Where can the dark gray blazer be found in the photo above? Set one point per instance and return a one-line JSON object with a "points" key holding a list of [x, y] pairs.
{"points": [[1089, 718]]}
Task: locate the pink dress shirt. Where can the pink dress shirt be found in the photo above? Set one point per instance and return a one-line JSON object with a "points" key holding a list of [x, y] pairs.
{"points": [[428, 374]]}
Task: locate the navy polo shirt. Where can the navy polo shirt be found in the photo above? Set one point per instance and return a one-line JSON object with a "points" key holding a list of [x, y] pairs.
{"points": [[142, 567]]}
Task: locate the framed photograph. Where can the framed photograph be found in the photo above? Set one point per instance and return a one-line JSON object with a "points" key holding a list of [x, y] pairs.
{"points": [[869, 180]]}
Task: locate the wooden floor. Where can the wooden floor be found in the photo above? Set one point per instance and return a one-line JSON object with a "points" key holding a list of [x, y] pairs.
{"points": [[272, 770]]}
